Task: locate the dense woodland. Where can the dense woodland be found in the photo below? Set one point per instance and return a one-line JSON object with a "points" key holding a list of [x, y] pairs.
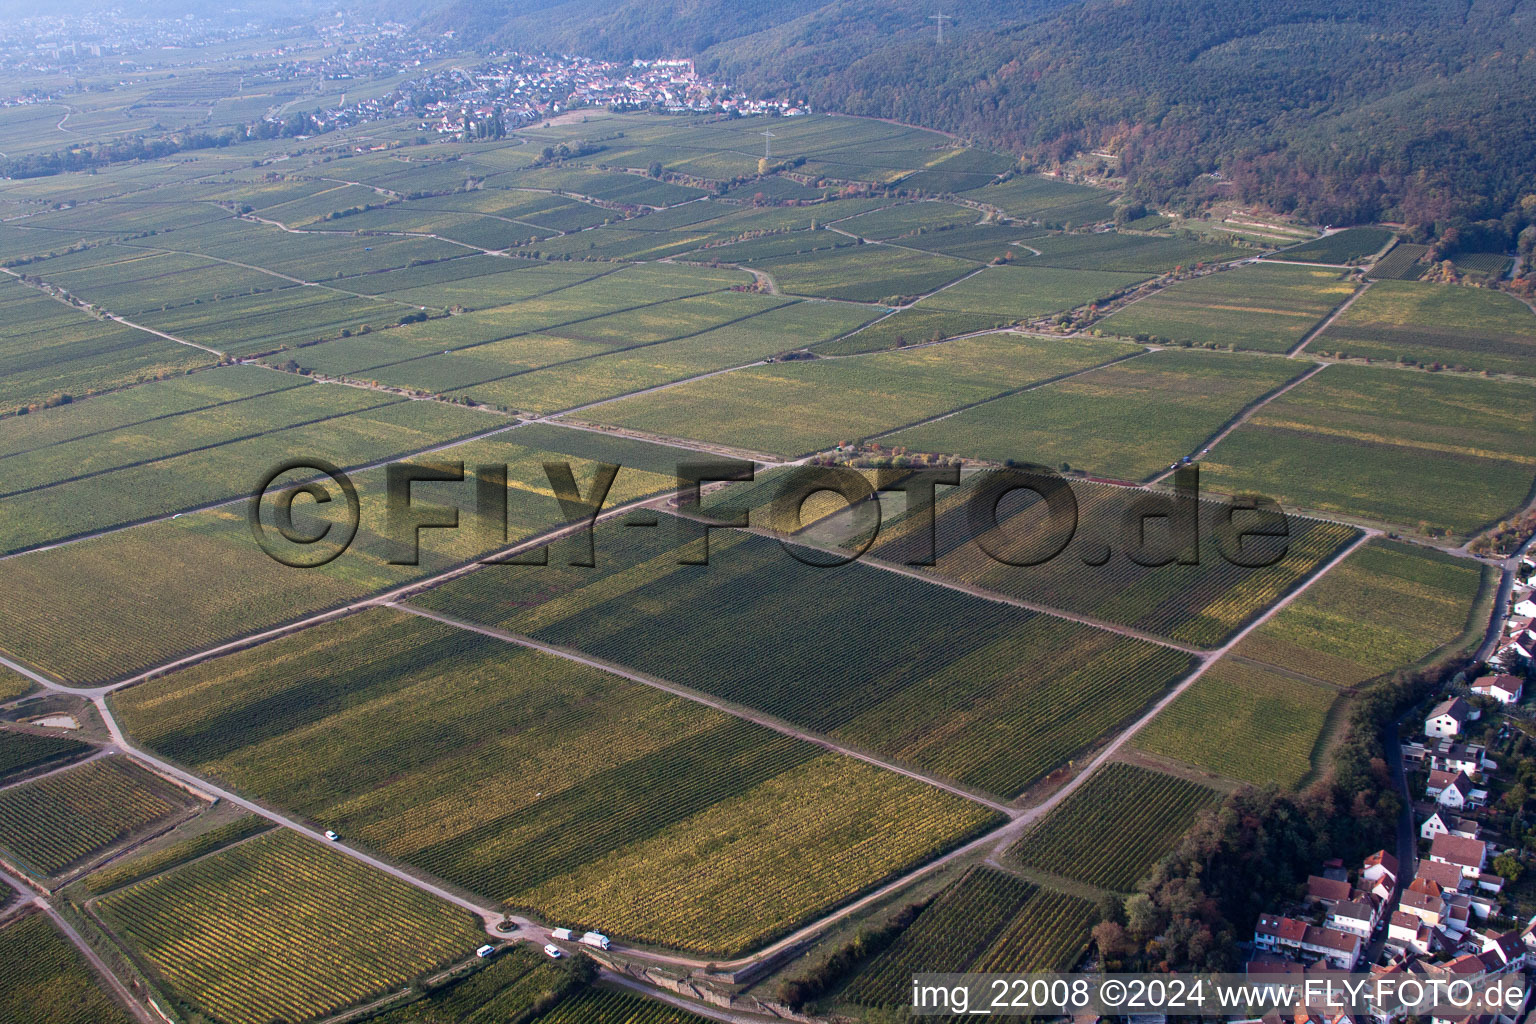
{"points": [[1412, 110]]}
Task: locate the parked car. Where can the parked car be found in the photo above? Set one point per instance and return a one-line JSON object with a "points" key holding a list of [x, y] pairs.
{"points": [[332, 836], [552, 950]]}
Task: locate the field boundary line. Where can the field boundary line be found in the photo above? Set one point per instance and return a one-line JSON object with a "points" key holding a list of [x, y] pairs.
{"points": [[92, 958], [742, 712], [226, 502], [112, 316], [1241, 417], [1327, 322], [1006, 394]]}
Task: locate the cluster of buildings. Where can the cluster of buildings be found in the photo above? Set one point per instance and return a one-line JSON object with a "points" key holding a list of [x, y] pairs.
{"points": [[517, 88], [1516, 650], [1351, 914]]}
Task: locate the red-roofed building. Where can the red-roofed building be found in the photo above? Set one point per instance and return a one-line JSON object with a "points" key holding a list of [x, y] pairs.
{"points": [[1470, 855]]}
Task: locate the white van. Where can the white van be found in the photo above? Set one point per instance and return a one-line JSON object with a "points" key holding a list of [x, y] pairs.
{"points": [[485, 951], [552, 950]]}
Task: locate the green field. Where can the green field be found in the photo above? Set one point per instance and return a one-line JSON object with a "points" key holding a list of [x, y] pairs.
{"points": [[48, 350], [1442, 454], [138, 866], [1401, 263], [1339, 247], [598, 784], [1200, 603], [1126, 421], [181, 586], [604, 1006], [1437, 324], [1266, 307], [797, 407], [47, 981], [972, 710], [511, 987], [1109, 250], [913, 326], [318, 931], [13, 684], [23, 752], [1111, 830], [1246, 722], [51, 824], [866, 273], [1034, 198], [1385, 607], [1023, 292], [987, 921]]}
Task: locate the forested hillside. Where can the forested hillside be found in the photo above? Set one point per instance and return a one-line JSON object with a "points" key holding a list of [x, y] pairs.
{"points": [[1412, 109]]}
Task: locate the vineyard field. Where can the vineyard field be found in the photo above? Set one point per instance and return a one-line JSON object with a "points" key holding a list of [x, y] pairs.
{"points": [[1246, 722], [797, 407], [318, 931], [1385, 607], [1126, 421], [1446, 455], [1437, 324], [971, 711], [1339, 247], [585, 769], [1111, 831], [1265, 307], [1199, 604], [47, 981], [607, 1006], [505, 990], [49, 824], [1023, 291], [986, 921], [139, 866], [22, 752]]}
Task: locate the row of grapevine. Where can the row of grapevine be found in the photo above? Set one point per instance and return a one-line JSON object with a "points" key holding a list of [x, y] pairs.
{"points": [[46, 981], [25, 752], [51, 823], [987, 921], [1111, 830], [280, 928]]}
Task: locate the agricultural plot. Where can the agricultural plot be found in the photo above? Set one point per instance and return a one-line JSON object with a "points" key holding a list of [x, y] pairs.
{"points": [[1340, 247], [13, 684], [1387, 606], [1247, 722], [1126, 421], [1199, 603], [48, 350], [24, 752], [1110, 250], [981, 242], [866, 273], [914, 326], [253, 324], [138, 866], [1148, 811], [585, 381], [1489, 264], [1269, 308], [1054, 203], [1401, 263], [909, 219], [1437, 324], [606, 1006], [344, 426], [598, 783], [972, 711], [47, 981], [318, 931], [796, 407], [987, 921], [1441, 454], [181, 586], [53, 823], [517, 980], [1027, 292]]}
